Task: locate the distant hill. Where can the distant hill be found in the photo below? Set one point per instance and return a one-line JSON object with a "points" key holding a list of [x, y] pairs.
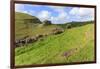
{"points": [[75, 24]]}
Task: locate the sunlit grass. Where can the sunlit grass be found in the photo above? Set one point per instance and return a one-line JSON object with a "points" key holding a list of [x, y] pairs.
{"points": [[51, 49]]}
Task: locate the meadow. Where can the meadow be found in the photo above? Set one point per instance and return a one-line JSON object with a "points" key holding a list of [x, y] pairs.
{"points": [[75, 44]]}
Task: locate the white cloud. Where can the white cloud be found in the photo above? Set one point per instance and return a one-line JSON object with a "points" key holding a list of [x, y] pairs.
{"points": [[83, 13], [74, 11], [86, 12], [62, 15], [61, 18], [25, 12], [44, 15]]}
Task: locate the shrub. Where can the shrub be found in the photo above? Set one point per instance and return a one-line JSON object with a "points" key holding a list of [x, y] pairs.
{"points": [[46, 22], [68, 26]]}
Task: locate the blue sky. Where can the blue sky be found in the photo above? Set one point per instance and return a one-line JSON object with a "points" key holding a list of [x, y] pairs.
{"points": [[56, 14]]}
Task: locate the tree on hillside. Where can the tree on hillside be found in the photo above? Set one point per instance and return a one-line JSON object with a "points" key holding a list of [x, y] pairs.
{"points": [[46, 22], [68, 26]]}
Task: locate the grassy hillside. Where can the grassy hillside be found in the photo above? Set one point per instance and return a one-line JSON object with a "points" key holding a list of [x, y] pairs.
{"points": [[24, 24], [73, 45], [27, 25]]}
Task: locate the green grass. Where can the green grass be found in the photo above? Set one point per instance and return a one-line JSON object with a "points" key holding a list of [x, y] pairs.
{"points": [[24, 25], [78, 40]]}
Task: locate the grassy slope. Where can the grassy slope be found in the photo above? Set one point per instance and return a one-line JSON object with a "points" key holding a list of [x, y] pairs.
{"points": [[78, 40], [30, 29], [23, 28]]}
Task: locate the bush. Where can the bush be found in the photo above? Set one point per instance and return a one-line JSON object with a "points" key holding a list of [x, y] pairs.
{"points": [[68, 26], [46, 22]]}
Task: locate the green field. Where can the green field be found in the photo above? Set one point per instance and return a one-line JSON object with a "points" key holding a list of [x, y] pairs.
{"points": [[73, 45]]}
